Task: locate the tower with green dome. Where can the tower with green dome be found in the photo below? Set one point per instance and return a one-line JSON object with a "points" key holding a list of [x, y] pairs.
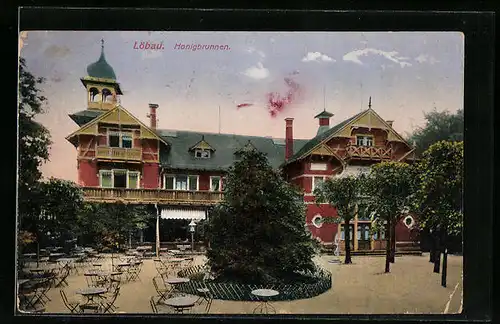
{"points": [[101, 85]]}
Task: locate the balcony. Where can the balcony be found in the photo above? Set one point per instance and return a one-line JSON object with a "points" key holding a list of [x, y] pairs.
{"points": [[118, 153], [151, 196], [369, 152]]}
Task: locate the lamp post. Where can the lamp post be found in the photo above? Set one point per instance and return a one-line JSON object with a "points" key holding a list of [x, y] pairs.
{"points": [[192, 225]]}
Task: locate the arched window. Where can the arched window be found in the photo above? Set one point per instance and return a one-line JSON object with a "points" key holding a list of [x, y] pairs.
{"points": [[409, 221], [106, 95], [93, 92]]}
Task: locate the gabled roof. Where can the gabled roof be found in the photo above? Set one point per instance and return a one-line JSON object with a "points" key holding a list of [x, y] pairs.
{"points": [[202, 144], [330, 133], [177, 156], [108, 113], [85, 116], [310, 145]]}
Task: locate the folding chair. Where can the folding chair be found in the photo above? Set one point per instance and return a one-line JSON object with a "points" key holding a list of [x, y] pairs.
{"points": [[205, 293], [153, 305], [109, 306], [162, 292], [61, 279], [72, 305]]}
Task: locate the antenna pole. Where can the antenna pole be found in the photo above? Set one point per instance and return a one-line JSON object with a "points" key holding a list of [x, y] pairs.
{"points": [[219, 119], [324, 98]]}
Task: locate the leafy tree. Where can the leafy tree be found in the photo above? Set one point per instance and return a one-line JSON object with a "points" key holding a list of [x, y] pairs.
{"points": [[109, 225], [34, 143], [61, 203], [389, 188], [439, 194], [257, 232], [440, 126], [345, 195]]}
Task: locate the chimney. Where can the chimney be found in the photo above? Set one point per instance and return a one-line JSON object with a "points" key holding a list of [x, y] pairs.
{"points": [[152, 115], [389, 122], [288, 138]]}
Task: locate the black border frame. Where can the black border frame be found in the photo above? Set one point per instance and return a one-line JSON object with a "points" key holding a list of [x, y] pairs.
{"points": [[478, 28]]}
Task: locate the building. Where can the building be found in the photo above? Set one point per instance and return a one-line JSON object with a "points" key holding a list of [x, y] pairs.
{"points": [[122, 159]]}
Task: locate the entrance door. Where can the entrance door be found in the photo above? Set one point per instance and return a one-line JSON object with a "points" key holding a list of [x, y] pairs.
{"points": [[363, 236], [120, 179], [342, 236]]}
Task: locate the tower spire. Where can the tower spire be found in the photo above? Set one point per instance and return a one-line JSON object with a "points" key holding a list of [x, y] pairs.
{"points": [[370, 103]]}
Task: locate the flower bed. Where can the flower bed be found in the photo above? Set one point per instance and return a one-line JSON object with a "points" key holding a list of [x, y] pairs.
{"points": [[241, 292]]}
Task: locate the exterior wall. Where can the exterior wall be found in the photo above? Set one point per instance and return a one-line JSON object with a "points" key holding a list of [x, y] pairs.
{"points": [[398, 150], [326, 233], [87, 173], [338, 144], [204, 180], [86, 146], [150, 150], [150, 176]]}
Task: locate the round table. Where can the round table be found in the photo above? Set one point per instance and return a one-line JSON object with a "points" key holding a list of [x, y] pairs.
{"points": [[264, 305], [174, 282], [91, 292], [179, 304]]}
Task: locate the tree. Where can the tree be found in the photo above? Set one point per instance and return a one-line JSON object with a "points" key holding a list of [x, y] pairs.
{"points": [[439, 195], [109, 225], [440, 126], [34, 143], [257, 232], [344, 194], [389, 187], [61, 202]]}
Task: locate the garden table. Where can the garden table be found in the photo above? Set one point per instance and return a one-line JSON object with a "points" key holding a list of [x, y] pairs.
{"points": [[90, 293], [174, 282], [179, 304], [264, 305]]}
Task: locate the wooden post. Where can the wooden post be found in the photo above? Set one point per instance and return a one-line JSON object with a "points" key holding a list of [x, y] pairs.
{"points": [[355, 234]]}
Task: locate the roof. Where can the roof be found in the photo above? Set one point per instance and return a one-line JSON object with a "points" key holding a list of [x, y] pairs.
{"points": [[320, 137], [178, 156], [85, 116], [324, 114], [322, 129], [101, 68]]}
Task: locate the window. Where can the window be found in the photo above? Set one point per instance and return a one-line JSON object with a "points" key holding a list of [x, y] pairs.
{"points": [[169, 182], [193, 183], [119, 179], [106, 95], [117, 139], [317, 181], [181, 182], [106, 179], [215, 184], [114, 140], [133, 180], [319, 167], [343, 232], [364, 140], [93, 92], [202, 154], [126, 141], [317, 221]]}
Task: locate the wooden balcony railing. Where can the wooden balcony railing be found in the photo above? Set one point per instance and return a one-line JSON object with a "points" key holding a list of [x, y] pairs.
{"points": [[118, 153], [151, 196], [369, 152]]}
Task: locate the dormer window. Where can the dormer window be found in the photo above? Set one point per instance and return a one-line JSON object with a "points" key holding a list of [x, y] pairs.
{"points": [[202, 154], [202, 150], [117, 139], [364, 140]]}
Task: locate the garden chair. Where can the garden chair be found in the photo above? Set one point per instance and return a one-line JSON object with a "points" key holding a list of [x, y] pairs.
{"points": [[162, 292], [109, 304], [205, 293], [72, 304], [61, 278], [153, 305]]}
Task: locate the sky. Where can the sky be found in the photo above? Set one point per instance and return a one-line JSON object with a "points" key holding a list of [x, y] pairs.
{"points": [[405, 73]]}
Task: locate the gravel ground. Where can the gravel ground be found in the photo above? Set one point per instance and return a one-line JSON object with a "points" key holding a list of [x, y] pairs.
{"points": [[358, 288]]}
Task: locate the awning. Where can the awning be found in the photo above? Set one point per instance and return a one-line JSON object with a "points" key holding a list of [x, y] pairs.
{"points": [[354, 170], [188, 214]]}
